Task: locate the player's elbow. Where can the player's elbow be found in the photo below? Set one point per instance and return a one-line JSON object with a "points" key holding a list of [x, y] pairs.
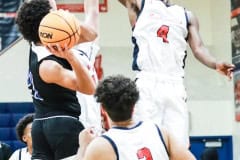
{"points": [[197, 50], [88, 91], [93, 36], [87, 35]]}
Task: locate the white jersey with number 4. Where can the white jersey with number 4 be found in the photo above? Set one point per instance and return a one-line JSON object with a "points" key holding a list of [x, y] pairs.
{"points": [[159, 37]]}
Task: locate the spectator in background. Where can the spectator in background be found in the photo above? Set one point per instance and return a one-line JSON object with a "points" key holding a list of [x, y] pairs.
{"points": [[5, 151], [23, 130]]}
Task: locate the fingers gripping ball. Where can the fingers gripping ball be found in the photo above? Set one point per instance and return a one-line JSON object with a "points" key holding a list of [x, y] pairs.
{"points": [[59, 27]]}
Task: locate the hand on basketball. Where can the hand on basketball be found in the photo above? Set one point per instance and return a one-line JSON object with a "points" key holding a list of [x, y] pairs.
{"points": [[58, 51], [225, 69]]}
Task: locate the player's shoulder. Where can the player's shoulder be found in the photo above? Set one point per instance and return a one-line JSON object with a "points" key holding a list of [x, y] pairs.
{"points": [[100, 149], [15, 154]]}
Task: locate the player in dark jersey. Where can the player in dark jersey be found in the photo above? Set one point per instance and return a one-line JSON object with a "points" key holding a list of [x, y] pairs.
{"points": [[54, 77]]}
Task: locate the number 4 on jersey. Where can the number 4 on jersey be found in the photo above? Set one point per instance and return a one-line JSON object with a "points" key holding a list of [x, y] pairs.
{"points": [[144, 153], [163, 32]]}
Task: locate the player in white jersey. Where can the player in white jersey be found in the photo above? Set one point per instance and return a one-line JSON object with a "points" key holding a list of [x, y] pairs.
{"points": [[127, 139], [160, 36], [90, 109]]}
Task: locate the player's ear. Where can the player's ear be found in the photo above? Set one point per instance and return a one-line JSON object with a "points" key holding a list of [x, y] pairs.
{"points": [[133, 110]]}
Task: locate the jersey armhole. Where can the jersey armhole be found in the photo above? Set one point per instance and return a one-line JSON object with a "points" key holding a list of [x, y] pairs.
{"points": [[112, 144], [187, 21], [161, 137], [187, 18]]}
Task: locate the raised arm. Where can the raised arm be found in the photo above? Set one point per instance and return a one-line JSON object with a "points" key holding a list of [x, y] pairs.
{"points": [[91, 10], [201, 52], [78, 80], [89, 28], [133, 8], [87, 33], [123, 2], [53, 4]]}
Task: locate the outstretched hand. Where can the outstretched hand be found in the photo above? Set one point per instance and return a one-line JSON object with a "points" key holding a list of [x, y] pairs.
{"points": [[225, 69]]}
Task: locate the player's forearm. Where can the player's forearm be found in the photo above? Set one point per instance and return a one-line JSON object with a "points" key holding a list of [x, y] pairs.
{"points": [[123, 2], [203, 55], [84, 82], [92, 13], [87, 34]]}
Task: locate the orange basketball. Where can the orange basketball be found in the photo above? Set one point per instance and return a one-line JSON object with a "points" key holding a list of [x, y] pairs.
{"points": [[59, 27]]}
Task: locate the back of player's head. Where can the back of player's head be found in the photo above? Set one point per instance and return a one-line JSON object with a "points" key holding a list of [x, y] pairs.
{"points": [[22, 124], [117, 95], [29, 17]]}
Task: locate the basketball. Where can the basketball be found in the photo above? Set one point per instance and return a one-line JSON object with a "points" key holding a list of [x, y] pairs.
{"points": [[59, 27]]}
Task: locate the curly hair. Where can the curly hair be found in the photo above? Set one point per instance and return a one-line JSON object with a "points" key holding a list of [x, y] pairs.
{"points": [[29, 17], [22, 124], [117, 95]]}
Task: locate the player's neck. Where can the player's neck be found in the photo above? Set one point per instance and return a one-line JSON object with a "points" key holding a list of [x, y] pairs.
{"points": [[127, 123]]}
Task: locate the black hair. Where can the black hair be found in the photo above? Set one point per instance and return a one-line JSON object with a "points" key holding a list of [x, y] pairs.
{"points": [[29, 17], [117, 95], [22, 124]]}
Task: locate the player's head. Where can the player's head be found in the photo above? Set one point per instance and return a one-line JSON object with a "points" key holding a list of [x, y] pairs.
{"points": [[29, 17], [117, 95], [23, 128]]}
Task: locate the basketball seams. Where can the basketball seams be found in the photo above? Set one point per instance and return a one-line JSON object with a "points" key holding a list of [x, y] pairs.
{"points": [[77, 28], [59, 40], [69, 25], [57, 29], [60, 28]]}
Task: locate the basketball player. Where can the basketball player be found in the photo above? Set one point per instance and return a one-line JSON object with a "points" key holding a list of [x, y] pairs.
{"points": [[54, 77], [23, 130], [160, 33], [90, 109], [127, 139]]}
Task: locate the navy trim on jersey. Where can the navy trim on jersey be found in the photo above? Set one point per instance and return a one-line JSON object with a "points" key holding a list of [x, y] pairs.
{"points": [[135, 55], [187, 18], [184, 60], [160, 134], [83, 53], [113, 145], [142, 6], [125, 128], [187, 21]]}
